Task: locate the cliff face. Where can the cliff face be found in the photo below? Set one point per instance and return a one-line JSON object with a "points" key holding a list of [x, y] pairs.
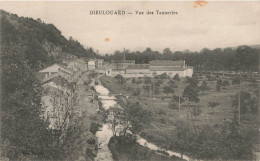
{"points": [[44, 44]]}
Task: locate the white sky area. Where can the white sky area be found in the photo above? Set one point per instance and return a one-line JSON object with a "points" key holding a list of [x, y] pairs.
{"points": [[216, 24]]}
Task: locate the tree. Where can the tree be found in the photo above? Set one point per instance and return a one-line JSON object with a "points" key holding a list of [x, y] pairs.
{"points": [[213, 105], [119, 118], [136, 116], [22, 125], [138, 81], [147, 80], [131, 116], [120, 79], [245, 101], [234, 144], [254, 105], [173, 105], [235, 80], [225, 83], [196, 111], [229, 144], [177, 99], [171, 83], [218, 85], [190, 93], [156, 90], [177, 78], [133, 81], [167, 90], [163, 76], [136, 92], [157, 87], [204, 86], [181, 142], [146, 88]]}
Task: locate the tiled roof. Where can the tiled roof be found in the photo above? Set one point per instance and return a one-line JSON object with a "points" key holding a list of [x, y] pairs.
{"points": [[166, 63], [56, 68]]}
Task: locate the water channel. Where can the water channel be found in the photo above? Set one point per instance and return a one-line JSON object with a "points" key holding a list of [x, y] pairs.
{"points": [[105, 133]]}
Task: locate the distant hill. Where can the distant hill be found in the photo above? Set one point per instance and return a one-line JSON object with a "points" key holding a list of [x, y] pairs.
{"points": [[44, 44]]}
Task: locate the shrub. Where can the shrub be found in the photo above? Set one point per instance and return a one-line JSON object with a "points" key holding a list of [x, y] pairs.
{"points": [[172, 105], [94, 127], [235, 80], [161, 112], [218, 85], [176, 99], [91, 141], [225, 83], [163, 120]]}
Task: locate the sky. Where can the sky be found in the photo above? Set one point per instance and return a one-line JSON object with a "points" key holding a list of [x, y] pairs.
{"points": [[197, 24]]}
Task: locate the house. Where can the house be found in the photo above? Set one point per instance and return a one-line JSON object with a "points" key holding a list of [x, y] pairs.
{"points": [[52, 71], [101, 70], [120, 65], [171, 68], [57, 101], [138, 70], [99, 62], [91, 64], [128, 68], [78, 65]]}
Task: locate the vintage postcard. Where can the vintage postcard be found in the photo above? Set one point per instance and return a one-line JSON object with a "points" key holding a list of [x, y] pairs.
{"points": [[129, 80]]}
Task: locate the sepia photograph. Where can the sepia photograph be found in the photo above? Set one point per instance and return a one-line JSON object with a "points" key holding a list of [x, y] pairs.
{"points": [[129, 80]]}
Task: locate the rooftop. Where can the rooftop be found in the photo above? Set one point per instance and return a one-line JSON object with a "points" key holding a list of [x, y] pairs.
{"points": [[167, 68], [56, 67], [138, 66]]}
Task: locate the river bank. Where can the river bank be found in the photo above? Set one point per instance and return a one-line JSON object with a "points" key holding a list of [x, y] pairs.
{"points": [[151, 151]]}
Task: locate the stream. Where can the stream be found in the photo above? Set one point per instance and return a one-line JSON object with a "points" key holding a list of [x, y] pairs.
{"points": [[105, 132]]}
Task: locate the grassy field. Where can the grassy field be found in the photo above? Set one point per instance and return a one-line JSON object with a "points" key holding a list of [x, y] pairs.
{"points": [[164, 120]]}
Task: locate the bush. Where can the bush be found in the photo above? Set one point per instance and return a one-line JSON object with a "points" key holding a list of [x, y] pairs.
{"points": [[172, 105], [91, 141], [225, 83], [229, 144], [160, 112], [163, 120], [176, 99], [218, 85], [211, 78], [136, 92], [94, 127], [235, 80], [163, 76]]}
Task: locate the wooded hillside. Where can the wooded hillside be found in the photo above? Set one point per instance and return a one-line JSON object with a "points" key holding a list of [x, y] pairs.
{"points": [[44, 44]]}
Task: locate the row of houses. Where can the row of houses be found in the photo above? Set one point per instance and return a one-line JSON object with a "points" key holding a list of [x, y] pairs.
{"points": [[128, 68], [59, 84]]}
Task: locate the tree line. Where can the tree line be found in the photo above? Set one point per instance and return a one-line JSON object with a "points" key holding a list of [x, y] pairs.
{"points": [[241, 58]]}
